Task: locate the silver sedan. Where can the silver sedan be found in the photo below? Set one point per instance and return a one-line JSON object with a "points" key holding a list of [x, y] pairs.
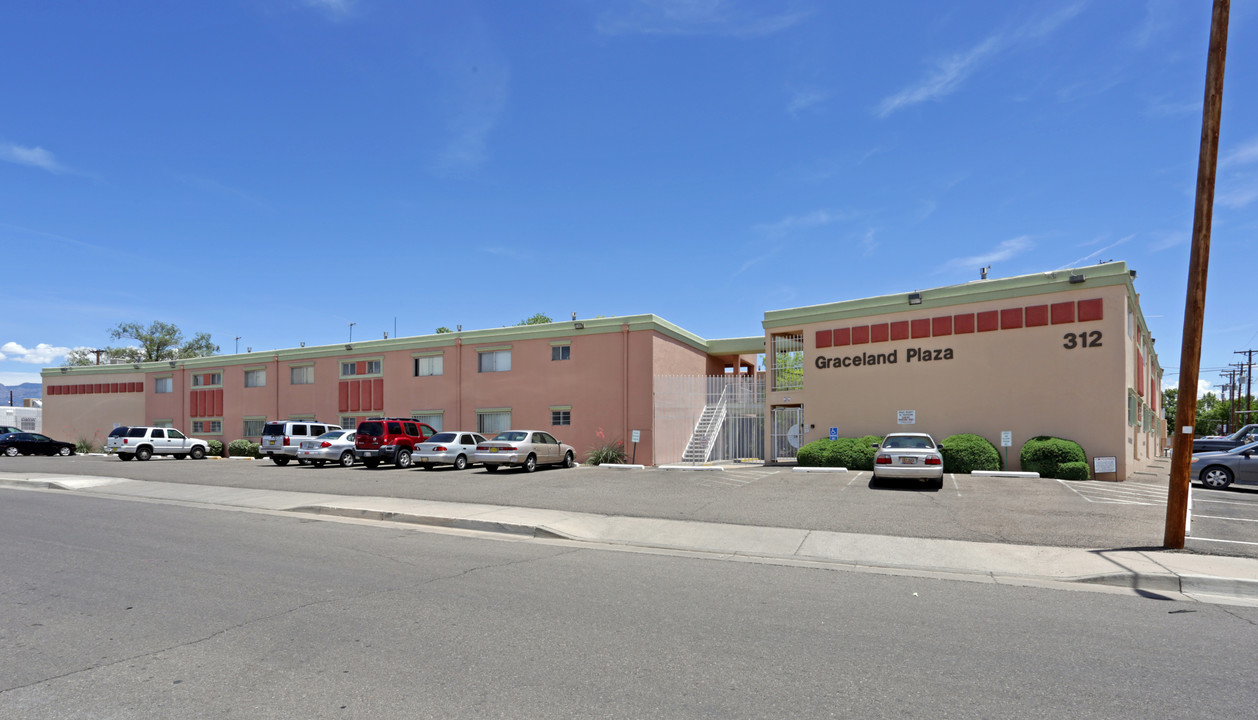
{"points": [[333, 446], [1219, 469], [448, 448], [526, 449], [908, 455]]}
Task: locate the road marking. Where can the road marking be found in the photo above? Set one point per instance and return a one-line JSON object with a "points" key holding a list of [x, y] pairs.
{"points": [[1231, 542], [954, 483], [1220, 517], [1117, 495]]}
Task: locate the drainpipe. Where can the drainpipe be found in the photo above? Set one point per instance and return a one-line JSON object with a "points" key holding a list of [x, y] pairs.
{"points": [[624, 385]]}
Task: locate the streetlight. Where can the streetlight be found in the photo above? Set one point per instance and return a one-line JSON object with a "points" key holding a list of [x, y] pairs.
{"points": [[238, 344], [351, 331]]}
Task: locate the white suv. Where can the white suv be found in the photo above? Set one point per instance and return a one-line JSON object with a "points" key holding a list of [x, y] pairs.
{"points": [[281, 439], [143, 442]]}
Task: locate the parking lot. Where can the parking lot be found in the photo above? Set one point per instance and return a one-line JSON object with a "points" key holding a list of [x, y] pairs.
{"points": [[1023, 511]]}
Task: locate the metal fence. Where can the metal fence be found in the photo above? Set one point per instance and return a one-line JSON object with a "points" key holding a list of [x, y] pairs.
{"points": [[680, 401]]}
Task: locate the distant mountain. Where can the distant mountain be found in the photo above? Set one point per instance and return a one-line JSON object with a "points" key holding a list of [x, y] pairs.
{"points": [[20, 392]]}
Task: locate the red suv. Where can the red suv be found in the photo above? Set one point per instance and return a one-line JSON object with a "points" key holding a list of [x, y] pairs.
{"points": [[391, 440]]}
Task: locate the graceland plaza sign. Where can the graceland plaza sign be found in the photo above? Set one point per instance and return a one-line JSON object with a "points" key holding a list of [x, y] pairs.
{"points": [[911, 355]]}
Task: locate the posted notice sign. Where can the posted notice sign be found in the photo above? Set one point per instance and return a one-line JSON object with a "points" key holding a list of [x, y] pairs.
{"points": [[1006, 438], [834, 433], [906, 417], [637, 435], [1105, 464]]}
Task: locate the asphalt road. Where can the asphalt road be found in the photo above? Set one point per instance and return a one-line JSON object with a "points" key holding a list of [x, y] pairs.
{"points": [[1032, 512], [131, 609]]}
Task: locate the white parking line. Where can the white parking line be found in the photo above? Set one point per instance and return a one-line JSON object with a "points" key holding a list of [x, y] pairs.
{"points": [[1219, 517], [1116, 495], [1231, 542]]}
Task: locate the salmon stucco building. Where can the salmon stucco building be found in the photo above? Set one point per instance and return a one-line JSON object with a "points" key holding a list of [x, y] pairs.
{"points": [[1064, 353]]}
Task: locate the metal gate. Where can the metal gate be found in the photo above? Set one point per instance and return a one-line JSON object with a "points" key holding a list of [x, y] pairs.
{"points": [[788, 433]]}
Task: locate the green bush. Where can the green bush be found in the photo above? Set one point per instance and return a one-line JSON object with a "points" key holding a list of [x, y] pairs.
{"points": [[609, 454], [216, 448], [83, 446], [851, 453], [243, 448], [965, 453], [1073, 471], [1044, 455]]}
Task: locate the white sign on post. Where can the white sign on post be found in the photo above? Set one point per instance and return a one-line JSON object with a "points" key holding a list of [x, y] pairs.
{"points": [[1006, 438], [637, 435], [906, 417], [1105, 464]]}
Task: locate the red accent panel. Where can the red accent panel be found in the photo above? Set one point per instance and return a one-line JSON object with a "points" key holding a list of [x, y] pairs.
{"points": [[193, 398], [989, 320], [1037, 315], [137, 386], [920, 327], [1091, 310], [1063, 313], [218, 402], [361, 367], [353, 396], [825, 338], [941, 326], [342, 396], [1140, 373], [900, 330], [95, 388], [364, 393], [860, 335], [1010, 318], [962, 324], [879, 332], [377, 387], [843, 337]]}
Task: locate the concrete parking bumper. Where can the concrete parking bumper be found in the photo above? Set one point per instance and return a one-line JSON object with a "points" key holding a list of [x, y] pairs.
{"points": [[1203, 577]]}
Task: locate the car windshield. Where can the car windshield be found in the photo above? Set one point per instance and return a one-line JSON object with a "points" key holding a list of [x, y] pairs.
{"points": [[371, 429], [442, 437], [334, 435], [908, 442], [1240, 434], [512, 436], [1251, 447]]}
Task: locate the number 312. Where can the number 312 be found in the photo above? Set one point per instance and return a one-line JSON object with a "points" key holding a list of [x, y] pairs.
{"points": [[1086, 339]]}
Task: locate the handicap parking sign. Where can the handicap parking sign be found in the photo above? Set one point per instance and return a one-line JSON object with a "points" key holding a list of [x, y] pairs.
{"points": [[834, 433]]}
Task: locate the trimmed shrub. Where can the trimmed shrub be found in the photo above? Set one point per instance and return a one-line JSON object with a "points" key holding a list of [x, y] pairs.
{"points": [[608, 454], [1073, 471], [216, 448], [965, 453], [1044, 454], [851, 453], [244, 448]]}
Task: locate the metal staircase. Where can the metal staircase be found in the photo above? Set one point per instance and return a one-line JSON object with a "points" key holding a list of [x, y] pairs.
{"points": [[706, 431]]}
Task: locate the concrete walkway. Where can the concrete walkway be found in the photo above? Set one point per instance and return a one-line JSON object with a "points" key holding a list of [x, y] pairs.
{"points": [[1231, 580]]}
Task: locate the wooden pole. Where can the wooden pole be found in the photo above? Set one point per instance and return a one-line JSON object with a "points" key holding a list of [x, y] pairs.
{"points": [[1195, 306]]}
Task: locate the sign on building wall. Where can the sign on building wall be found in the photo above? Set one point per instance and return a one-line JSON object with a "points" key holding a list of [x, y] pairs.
{"points": [[1105, 464], [906, 417], [1006, 438]]}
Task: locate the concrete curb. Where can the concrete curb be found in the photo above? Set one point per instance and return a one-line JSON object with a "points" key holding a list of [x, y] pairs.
{"points": [[716, 468], [509, 528], [1004, 473], [820, 469], [616, 466]]}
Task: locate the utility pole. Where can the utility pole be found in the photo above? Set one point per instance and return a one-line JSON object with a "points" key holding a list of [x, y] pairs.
{"points": [[97, 353], [1198, 270], [1249, 379]]}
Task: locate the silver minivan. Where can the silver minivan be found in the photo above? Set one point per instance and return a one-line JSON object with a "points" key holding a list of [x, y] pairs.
{"points": [[281, 439]]}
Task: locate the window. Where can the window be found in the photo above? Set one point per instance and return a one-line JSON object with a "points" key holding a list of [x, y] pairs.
{"points": [[560, 417], [494, 361], [1133, 408], [490, 422], [253, 427], [787, 372], [349, 422], [207, 379], [27, 424], [164, 385], [206, 426], [255, 378], [162, 424], [425, 366], [560, 352], [430, 418], [303, 375], [369, 367]]}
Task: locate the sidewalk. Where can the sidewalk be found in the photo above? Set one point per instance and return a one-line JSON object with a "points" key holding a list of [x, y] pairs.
{"points": [[1208, 578]]}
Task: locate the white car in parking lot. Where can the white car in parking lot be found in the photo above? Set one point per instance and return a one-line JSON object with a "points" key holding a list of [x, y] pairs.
{"points": [[448, 448], [525, 449], [333, 446], [908, 455]]}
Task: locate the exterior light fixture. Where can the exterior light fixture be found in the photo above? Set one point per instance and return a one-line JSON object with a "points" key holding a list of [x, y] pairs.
{"points": [[1076, 279], [137, 366], [349, 346], [915, 298], [65, 370], [172, 363], [578, 326]]}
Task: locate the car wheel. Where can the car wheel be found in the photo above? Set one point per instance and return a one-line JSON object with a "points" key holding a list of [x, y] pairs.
{"points": [[403, 458], [279, 460], [198, 453], [460, 462], [1216, 477], [530, 464], [125, 456], [569, 460], [347, 458], [180, 456], [10, 451], [65, 452], [372, 463], [491, 468], [143, 454]]}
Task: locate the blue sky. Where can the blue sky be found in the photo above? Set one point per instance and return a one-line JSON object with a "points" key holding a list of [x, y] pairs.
{"points": [[278, 169]]}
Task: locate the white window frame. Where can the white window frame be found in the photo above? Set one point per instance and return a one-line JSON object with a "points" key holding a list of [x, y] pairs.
{"points": [[252, 377], [429, 365], [499, 419], [301, 374], [163, 385], [259, 424], [498, 360], [434, 418]]}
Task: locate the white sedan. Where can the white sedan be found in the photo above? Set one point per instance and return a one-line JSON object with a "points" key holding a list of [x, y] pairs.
{"points": [[333, 446], [448, 448], [908, 455], [525, 449]]}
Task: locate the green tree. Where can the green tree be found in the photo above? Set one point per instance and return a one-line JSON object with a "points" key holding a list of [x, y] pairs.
{"points": [[158, 341], [538, 319], [443, 329], [1170, 403]]}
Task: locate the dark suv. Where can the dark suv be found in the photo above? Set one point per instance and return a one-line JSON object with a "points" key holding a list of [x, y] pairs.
{"points": [[1245, 435], [391, 440]]}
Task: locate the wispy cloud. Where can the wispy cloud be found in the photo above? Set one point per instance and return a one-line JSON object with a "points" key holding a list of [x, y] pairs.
{"points": [[949, 73], [42, 354], [36, 157], [1243, 155], [218, 188], [815, 219], [476, 80], [802, 100], [1239, 191], [1080, 261], [1168, 240], [868, 243], [1004, 251], [335, 9], [729, 18]]}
